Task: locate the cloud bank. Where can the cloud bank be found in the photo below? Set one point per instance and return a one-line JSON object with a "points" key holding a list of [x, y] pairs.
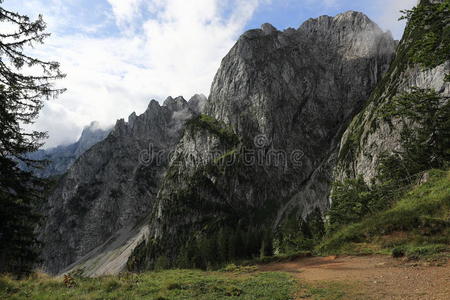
{"points": [[155, 49]]}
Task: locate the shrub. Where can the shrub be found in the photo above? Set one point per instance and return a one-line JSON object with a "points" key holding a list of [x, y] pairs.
{"points": [[398, 252]]}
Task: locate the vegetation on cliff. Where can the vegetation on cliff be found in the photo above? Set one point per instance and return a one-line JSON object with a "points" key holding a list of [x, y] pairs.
{"points": [[419, 223], [425, 43]]}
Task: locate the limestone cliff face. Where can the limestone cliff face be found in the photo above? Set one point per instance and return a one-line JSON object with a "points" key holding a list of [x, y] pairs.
{"points": [[285, 98], [325, 68], [113, 184], [371, 134]]}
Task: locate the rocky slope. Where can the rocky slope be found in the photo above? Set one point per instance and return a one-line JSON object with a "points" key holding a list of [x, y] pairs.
{"points": [[113, 184], [263, 152], [422, 61], [61, 158]]}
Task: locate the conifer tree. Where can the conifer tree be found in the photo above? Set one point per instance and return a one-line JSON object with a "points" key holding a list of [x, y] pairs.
{"points": [[25, 82]]}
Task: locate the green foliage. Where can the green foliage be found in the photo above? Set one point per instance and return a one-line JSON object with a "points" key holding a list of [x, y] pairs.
{"points": [[447, 78], [398, 252], [425, 137], [412, 251], [170, 285], [329, 290], [426, 42], [21, 99], [425, 144], [353, 199], [19, 248], [162, 263], [223, 132], [296, 235], [207, 250], [239, 269], [429, 33], [418, 213], [217, 248], [266, 244]]}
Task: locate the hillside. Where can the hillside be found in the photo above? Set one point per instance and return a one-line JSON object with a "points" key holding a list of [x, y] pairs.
{"points": [[417, 227]]}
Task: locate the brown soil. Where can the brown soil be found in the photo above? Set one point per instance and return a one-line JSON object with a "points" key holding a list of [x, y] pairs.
{"points": [[374, 277]]}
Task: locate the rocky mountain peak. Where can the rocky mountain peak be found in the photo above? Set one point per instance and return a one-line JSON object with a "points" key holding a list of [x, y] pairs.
{"points": [[244, 93], [268, 28], [60, 159], [197, 103], [175, 104], [354, 17], [91, 135], [132, 118]]}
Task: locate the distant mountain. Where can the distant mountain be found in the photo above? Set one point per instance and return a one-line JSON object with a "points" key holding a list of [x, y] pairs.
{"points": [[113, 185], [61, 158]]}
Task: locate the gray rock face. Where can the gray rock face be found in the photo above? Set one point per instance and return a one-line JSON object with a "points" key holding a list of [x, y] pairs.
{"points": [[290, 93], [370, 134], [293, 91], [61, 158], [376, 136], [112, 185]]}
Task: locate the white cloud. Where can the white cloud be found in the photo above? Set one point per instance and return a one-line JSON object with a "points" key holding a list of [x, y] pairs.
{"points": [[125, 10], [174, 48], [390, 13]]}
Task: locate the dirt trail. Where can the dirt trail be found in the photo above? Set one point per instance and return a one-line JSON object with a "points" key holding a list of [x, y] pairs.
{"points": [[375, 277]]}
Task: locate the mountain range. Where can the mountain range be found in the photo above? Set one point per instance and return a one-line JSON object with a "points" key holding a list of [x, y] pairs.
{"points": [[289, 113]]}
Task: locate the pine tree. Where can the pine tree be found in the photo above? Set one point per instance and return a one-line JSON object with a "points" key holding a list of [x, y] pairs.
{"points": [[223, 244], [425, 137], [267, 244], [25, 82]]}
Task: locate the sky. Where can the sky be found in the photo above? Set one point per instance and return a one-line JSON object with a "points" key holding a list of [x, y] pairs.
{"points": [[120, 54]]}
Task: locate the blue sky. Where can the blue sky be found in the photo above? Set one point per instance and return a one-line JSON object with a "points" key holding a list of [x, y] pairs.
{"points": [[291, 13], [119, 54]]}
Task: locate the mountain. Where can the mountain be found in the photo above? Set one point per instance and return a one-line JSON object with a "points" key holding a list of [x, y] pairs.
{"points": [[113, 184], [258, 155], [61, 158], [372, 134], [277, 109]]}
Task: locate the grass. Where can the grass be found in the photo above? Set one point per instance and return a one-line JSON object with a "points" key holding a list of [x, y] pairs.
{"points": [[419, 222], [330, 290], [282, 257], [172, 284]]}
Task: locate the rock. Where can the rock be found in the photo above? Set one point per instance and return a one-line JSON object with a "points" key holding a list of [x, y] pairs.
{"points": [[268, 28], [289, 92], [369, 136], [111, 186], [61, 158]]}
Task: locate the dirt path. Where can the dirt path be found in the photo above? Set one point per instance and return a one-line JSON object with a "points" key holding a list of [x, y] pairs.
{"points": [[373, 277]]}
